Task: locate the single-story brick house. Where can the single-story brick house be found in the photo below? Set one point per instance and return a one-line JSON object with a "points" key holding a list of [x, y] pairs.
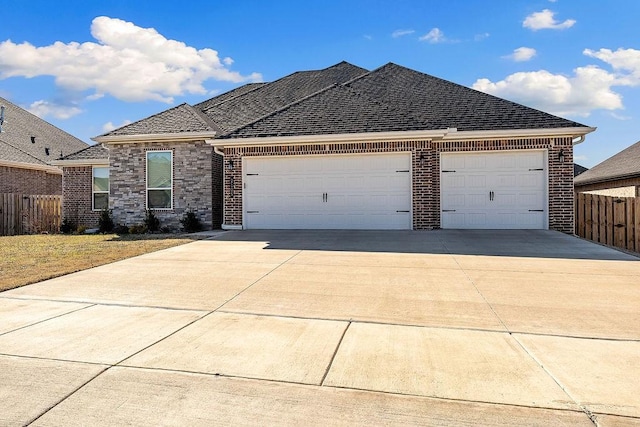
{"points": [[619, 175], [348, 148], [28, 145]]}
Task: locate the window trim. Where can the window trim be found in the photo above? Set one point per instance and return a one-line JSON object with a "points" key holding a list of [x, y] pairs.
{"points": [[94, 192], [146, 180]]}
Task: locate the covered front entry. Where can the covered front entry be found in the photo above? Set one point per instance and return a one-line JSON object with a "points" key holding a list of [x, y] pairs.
{"points": [[494, 190], [363, 191]]}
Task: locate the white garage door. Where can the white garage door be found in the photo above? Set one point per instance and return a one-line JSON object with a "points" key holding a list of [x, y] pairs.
{"points": [[328, 192], [494, 190]]}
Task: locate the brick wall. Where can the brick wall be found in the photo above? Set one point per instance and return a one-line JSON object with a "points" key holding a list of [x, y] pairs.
{"points": [[426, 173], [77, 196], [29, 181], [192, 182]]}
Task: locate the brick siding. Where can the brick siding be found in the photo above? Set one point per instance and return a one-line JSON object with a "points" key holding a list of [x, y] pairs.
{"points": [[77, 196], [193, 164], [426, 173], [29, 181]]}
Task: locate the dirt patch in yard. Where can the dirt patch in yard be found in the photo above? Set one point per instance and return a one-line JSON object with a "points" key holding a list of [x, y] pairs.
{"points": [[30, 259]]}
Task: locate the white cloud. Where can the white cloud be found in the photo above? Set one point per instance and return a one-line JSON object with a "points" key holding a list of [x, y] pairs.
{"points": [[43, 109], [128, 62], [545, 21], [625, 61], [480, 37], [589, 88], [522, 54], [434, 36], [109, 126], [400, 33]]}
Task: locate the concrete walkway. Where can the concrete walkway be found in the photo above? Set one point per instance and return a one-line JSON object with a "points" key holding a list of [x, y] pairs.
{"points": [[332, 328]]}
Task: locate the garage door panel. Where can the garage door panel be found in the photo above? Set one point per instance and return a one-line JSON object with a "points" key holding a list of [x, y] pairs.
{"points": [[350, 191], [493, 190]]}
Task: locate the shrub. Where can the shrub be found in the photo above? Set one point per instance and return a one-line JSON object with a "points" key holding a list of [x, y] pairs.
{"points": [[67, 226], [105, 222], [190, 222], [138, 229], [151, 221], [121, 229], [81, 229]]}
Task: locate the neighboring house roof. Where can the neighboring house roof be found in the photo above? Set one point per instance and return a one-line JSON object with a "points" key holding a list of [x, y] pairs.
{"points": [[28, 139], [346, 99], [578, 169], [625, 164]]}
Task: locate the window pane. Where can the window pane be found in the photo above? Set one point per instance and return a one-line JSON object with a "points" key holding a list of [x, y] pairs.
{"points": [[100, 179], [100, 201], [159, 199], [159, 169]]}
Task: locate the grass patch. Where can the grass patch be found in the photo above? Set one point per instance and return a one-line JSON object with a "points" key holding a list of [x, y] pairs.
{"points": [[30, 259]]}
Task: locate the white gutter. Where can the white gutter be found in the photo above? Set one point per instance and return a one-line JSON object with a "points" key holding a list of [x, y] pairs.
{"points": [[81, 162], [155, 137], [32, 166], [450, 134], [519, 133]]}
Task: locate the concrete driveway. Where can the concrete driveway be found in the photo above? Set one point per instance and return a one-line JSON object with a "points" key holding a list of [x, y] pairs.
{"points": [[332, 328]]}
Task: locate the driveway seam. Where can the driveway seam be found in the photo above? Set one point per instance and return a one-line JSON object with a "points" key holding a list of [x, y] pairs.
{"points": [[333, 356], [49, 318], [557, 381], [68, 395]]}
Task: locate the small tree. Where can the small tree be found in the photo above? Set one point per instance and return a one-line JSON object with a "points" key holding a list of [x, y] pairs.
{"points": [[105, 222], [190, 222], [151, 221]]}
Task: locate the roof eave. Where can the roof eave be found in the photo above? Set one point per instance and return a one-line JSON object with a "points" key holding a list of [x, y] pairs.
{"points": [[331, 138], [606, 179], [31, 166], [81, 162], [155, 137], [573, 132]]}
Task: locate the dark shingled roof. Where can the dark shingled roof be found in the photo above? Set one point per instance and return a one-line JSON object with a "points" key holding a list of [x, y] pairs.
{"points": [[93, 152], [625, 164], [26, 138], [414, 101], [345, 98], [239, 91], [271, 97], [183, 118]]}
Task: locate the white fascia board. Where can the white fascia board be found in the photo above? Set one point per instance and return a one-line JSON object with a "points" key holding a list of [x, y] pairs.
{"points": [[572, 132], [155, 137], [331, 138], [81, 162], [32, 166]]}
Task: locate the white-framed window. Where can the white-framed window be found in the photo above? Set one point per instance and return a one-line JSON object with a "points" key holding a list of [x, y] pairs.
{"points": [[160, 179], [100, 188]]}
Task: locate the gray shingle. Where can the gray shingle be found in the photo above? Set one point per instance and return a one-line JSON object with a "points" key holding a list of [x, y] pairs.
{"points": [[93, 152], [241, 110], [179, 119], [239, 91], [625, 164], [394, 98], [26, 133]]}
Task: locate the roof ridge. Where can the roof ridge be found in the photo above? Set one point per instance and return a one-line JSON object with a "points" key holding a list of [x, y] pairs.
{"points": [[291, 104], [261, 85], [23, 152], [145, 118], [204, 118]]}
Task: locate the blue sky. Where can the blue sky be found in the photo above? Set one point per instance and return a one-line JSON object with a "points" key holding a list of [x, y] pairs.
{"points": [[87, 66]]}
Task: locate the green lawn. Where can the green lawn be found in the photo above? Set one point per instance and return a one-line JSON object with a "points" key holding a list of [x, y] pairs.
{"points": [[30, 259]]}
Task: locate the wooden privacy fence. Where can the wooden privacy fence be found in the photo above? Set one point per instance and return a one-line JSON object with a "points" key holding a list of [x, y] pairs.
{"points": [[24, 214], [613, 221]]}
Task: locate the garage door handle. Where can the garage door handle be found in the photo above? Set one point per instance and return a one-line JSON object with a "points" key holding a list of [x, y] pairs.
{"points": [[403, 211], [448, 210], [491, 195], [536, 210]]}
